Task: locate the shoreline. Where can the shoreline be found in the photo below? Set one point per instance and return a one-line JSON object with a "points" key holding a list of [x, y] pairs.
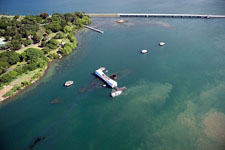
{"points": [[26, 80], [5, 99], [26, 87]]}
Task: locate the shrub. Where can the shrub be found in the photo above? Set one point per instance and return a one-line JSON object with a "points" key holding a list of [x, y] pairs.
{"points": [[33, 54], [8, 77], [44, 15], [51, 46], [48, 31], [46, 50], [15, 45], [27, 42], [24, 83], [10, 57], [43, 43], [59, 35]]}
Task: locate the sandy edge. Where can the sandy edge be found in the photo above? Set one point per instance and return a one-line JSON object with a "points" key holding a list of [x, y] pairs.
{"points": [[25, 87]]}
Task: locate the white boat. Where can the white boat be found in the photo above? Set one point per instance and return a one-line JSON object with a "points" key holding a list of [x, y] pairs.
{"points": [[144, 51], [161, 44], [121, 21], [102, 68], [116, 93], [68, 83]]}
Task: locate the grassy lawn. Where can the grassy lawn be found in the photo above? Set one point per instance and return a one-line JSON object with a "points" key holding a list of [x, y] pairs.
{"points": [[1, 51], [17, 65], [17, 82], [51, 35], [41, 31], [30, 46], [25, 77]]}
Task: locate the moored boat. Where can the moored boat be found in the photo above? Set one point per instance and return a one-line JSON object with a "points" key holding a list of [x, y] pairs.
{"points": [[68, 83], [115, 93], [144, 51], [162, 44]]}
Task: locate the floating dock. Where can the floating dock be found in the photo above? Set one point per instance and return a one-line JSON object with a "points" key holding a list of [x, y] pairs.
{"points": [[96, 30], [207, 16]]}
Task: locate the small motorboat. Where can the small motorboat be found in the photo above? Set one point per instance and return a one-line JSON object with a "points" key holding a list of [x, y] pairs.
{"points": [[144, 51], [115, 93], [68, 83], [121, 21], [162, 44]]}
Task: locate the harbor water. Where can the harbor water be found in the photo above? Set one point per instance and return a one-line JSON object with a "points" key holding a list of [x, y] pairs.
{"points": [[175, 93]]}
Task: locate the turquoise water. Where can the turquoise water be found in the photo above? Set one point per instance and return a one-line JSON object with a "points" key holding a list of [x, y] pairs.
{"points": [[174, 99]]}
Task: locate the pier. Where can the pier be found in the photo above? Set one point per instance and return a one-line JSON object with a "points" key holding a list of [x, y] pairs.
{"points": [[207, 16], [96, 30]]}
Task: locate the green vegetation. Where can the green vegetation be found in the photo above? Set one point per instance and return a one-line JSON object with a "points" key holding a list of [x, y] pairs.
{"points": [[46, 38]]}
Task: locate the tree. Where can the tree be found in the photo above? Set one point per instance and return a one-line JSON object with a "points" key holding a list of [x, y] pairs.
{"points": [[59, 35], [43, 43], [54, 26], [51, 46], [13, 57], [3, 67], [15, 45], [27, 42], [54, 42], [7, 77], [78, 14], [48, 31], [44, 15], [17, 37], [7, 38], [32, 54], [69, 17], [16, 17], [67, 29], [36, 38], [71, 37], [10, 57], [46, 50], [3, 24]]}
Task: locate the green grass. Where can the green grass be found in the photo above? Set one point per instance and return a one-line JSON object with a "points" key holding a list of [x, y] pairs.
{"points": [[17, 65]]}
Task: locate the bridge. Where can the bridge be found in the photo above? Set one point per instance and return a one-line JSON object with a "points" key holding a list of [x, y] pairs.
{"points": [[155, 15]]}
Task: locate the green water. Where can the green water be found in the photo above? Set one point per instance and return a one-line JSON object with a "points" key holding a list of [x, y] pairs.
{"points": [[174, 100]]}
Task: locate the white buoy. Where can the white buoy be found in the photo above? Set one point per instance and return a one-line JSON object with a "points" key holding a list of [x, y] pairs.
{"points": [[144, 51], [104, 85], [162, 44]]}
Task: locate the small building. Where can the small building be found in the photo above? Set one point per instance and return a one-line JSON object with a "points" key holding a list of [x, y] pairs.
{"points": [[30, 37], [63, 43], [2, 42]]}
